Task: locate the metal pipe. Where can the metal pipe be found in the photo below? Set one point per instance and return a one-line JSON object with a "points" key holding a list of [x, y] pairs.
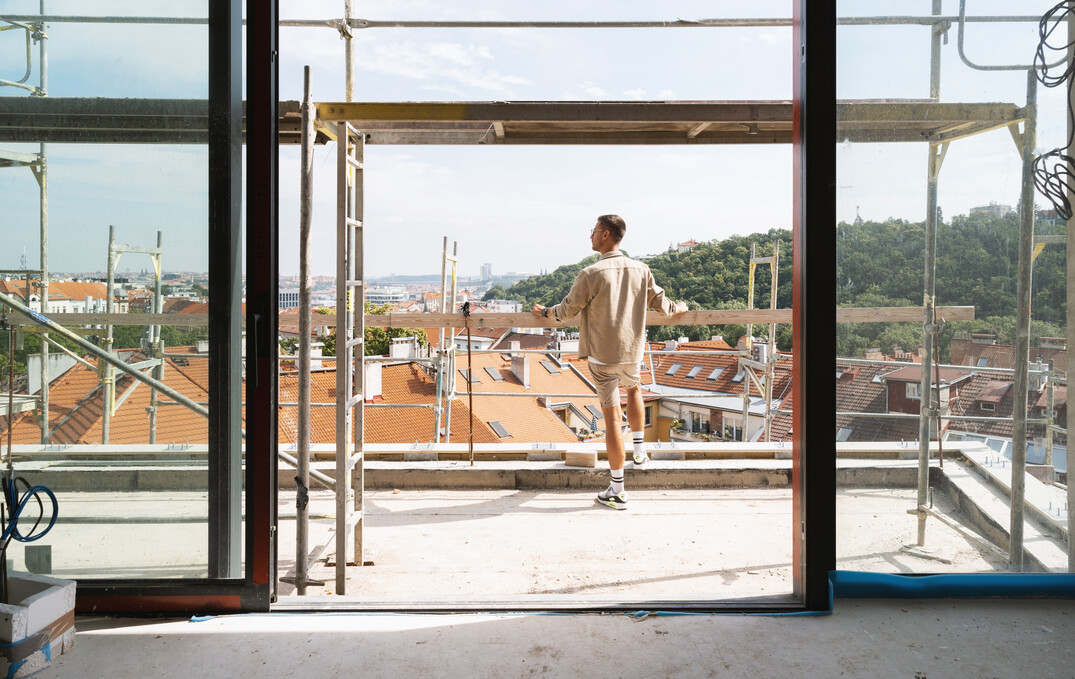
{"points": [[344, 305], [449, 383], [155, 334], [357, 466], [760, 22], [1069, 420], [107, 376], [348, 51], [947, 418], [69, 352], [1022, 335], [91, 348], [983, 67], [43, 182], [929, 302], [306, 184], [870, 361]]}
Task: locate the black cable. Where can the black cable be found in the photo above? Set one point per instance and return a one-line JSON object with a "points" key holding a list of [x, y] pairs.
{"points": [[1053, 176]]}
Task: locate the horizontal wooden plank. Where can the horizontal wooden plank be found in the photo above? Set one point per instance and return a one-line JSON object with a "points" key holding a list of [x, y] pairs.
{"points": [[700, 317], [529, 320], [179, 320]]}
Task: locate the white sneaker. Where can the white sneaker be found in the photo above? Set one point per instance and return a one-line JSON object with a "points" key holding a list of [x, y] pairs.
{"points": [[641, 458]]}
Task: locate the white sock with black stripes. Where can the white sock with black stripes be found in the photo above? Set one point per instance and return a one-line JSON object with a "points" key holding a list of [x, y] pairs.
{"points": [[640, 448], [617, 481]]}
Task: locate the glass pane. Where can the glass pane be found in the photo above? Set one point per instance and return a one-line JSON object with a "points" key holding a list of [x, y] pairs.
{"points": [[936, 147], [512, 221], [105, 203]]}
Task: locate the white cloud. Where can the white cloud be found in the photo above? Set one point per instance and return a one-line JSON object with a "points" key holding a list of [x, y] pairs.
{"points": [[456, 63], [636, 93], [593, 90]]}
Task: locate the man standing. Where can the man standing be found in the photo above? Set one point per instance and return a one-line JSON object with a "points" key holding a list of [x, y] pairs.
{"points": [[611, 297]]}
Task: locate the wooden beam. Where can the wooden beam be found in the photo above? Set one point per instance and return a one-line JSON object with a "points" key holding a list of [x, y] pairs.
{"points": [[702, 317], [907, 314], [180, 320], [697, 130], [560, 111]]}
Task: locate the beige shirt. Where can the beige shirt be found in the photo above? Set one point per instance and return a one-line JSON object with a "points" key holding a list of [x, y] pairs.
{"points": [[611, 297]]}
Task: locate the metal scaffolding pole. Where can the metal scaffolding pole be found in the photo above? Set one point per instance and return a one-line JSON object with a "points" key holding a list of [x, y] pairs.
{"points": [[107, 374], [1069, 422], [306, 204], [927, 408], [348, 51], [155, 345], [1026, 142], [43, 181]]}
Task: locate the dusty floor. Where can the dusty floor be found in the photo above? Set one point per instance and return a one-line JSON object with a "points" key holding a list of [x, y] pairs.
{"points": [[471, 545], [868, 639]]}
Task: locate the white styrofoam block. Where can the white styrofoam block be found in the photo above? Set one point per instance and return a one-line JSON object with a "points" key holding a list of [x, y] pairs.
{"points": [[40, 601]]}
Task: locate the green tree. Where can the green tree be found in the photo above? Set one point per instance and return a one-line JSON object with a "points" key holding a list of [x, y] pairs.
{"points": [[377, 340]]}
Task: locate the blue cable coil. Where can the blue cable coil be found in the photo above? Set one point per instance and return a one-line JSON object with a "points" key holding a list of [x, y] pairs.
{"points": [[11, 496]]}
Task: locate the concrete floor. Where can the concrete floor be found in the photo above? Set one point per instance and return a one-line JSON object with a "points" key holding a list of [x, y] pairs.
{"points": [[873, 638], [529, 546], [671, 545]]}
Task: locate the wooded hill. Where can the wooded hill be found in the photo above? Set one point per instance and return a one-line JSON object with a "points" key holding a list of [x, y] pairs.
{"points": [[877, 264]]}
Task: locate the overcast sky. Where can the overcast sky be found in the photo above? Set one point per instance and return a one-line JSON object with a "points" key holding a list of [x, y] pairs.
{"points": [[520, 208]]}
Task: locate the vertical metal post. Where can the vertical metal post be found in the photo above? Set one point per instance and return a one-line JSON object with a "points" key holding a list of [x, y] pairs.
{"points": [[449, 382], [1027, 141], [1069, 419], [348, 52], [770, 365], [357, 463], [936, 33], [155, 335], [349, 295], [306, 210], [1050, 403], [929, 298], [441, 382], [108, 374], [43, 181], [929, 319]]}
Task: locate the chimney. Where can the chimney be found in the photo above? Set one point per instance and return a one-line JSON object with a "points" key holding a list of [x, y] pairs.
{"points": [[372, 387], [402, 347], [520, 366], [670, 345], [315, 355]]}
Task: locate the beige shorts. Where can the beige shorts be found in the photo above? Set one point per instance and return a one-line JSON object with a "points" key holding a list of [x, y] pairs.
{"points": [[608, 377]]}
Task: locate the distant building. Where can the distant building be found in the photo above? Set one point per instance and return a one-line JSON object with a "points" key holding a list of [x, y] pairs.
{"points": [[389, 295], [992, 209], [289, 299], [686, 245], [487, 272], [503, 306]]}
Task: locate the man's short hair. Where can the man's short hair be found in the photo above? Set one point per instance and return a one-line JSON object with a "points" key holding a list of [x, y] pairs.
{"points": [[615, 225]]}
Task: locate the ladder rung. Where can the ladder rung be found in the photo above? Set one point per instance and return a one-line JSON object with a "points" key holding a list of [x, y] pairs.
{"points": [[355, 163], [354, 282], [355, 459], [354, 342], [354, 400], [353, 519], [354, 223]]}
